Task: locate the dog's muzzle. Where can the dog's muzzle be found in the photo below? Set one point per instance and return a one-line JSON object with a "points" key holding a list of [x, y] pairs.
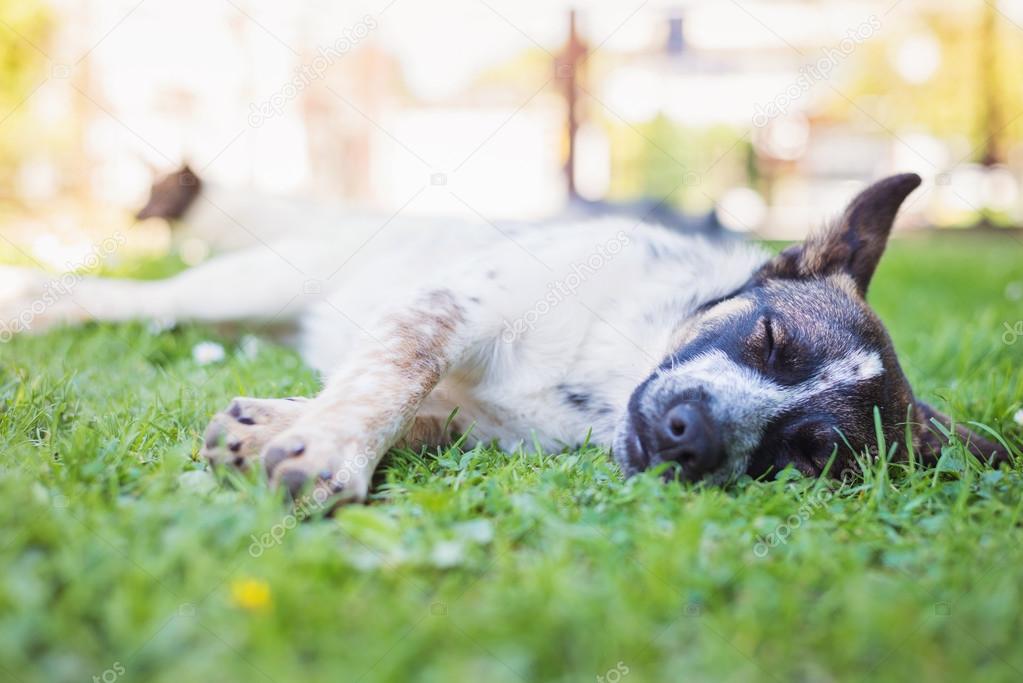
{"points": [[682, 433]]}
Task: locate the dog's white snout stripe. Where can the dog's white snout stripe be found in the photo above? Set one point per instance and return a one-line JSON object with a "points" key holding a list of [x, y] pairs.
{"points": [[858, 366]]}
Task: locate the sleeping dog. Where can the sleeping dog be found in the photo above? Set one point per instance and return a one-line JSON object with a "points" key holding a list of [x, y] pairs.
{"points": [[710, 359]]}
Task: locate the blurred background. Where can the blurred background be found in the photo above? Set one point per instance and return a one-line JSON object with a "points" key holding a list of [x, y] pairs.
{"points": [[755, 116]]}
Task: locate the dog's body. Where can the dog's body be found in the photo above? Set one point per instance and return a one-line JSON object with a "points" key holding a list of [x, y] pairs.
{"points": [[710, 356]]}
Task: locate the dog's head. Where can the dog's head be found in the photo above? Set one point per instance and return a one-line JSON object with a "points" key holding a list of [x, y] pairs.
{"points": [[171, 195], [788, 368]]}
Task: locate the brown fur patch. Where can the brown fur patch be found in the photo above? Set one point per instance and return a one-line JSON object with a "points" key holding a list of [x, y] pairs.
{"points": [[425, 431], [387, 383], [170, 196]]}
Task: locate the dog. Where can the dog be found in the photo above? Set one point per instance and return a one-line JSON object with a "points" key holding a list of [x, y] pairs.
{"points": [[706, 359]]}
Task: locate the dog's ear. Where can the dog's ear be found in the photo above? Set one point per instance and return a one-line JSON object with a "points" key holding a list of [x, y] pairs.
{"points": [[929, 440], [854, 244]]}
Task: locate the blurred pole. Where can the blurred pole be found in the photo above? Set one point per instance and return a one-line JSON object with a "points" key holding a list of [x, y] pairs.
{"points": [[566, 69]]}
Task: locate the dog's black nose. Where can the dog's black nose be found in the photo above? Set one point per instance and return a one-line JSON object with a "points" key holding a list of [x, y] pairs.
{"points": [[688, 436]]}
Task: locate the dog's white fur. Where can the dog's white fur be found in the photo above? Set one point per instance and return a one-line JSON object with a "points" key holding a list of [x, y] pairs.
{"points": [[409, 320]]}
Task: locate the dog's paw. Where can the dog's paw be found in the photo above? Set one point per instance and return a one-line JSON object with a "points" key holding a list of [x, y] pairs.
{"points": [[238, 434], [309, 463]]}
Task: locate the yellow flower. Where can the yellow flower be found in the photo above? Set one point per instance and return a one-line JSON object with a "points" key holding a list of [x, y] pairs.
{"points": [[250, 594]]}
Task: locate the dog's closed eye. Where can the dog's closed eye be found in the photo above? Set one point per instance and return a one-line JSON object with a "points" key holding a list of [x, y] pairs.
{"points": [[765, 344], [770, 345]]}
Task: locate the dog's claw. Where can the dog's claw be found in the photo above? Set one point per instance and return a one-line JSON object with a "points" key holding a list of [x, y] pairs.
{"points": [[277, 454], [214, 433], [293, 482]]}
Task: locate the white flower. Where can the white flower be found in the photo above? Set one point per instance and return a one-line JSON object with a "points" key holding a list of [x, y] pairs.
{"points": [[160, 325], [1018, 417], [207, 352], [447, 554]]}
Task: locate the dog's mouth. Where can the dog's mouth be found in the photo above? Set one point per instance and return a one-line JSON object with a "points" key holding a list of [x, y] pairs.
{"points": [[627, 450]]}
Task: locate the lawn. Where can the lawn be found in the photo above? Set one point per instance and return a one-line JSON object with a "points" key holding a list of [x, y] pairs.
{"points": [[123, 560]]}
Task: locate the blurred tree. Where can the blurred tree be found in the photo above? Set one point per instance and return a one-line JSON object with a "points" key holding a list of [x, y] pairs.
{"points": [[24, 26], [973, 91], [661, 159]]}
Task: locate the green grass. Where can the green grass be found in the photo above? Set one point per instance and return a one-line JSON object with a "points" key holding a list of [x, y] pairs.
{"points": [[119, 561]]}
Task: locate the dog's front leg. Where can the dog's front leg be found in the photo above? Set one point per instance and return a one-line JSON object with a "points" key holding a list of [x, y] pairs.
{"points": [[372, 399]]}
